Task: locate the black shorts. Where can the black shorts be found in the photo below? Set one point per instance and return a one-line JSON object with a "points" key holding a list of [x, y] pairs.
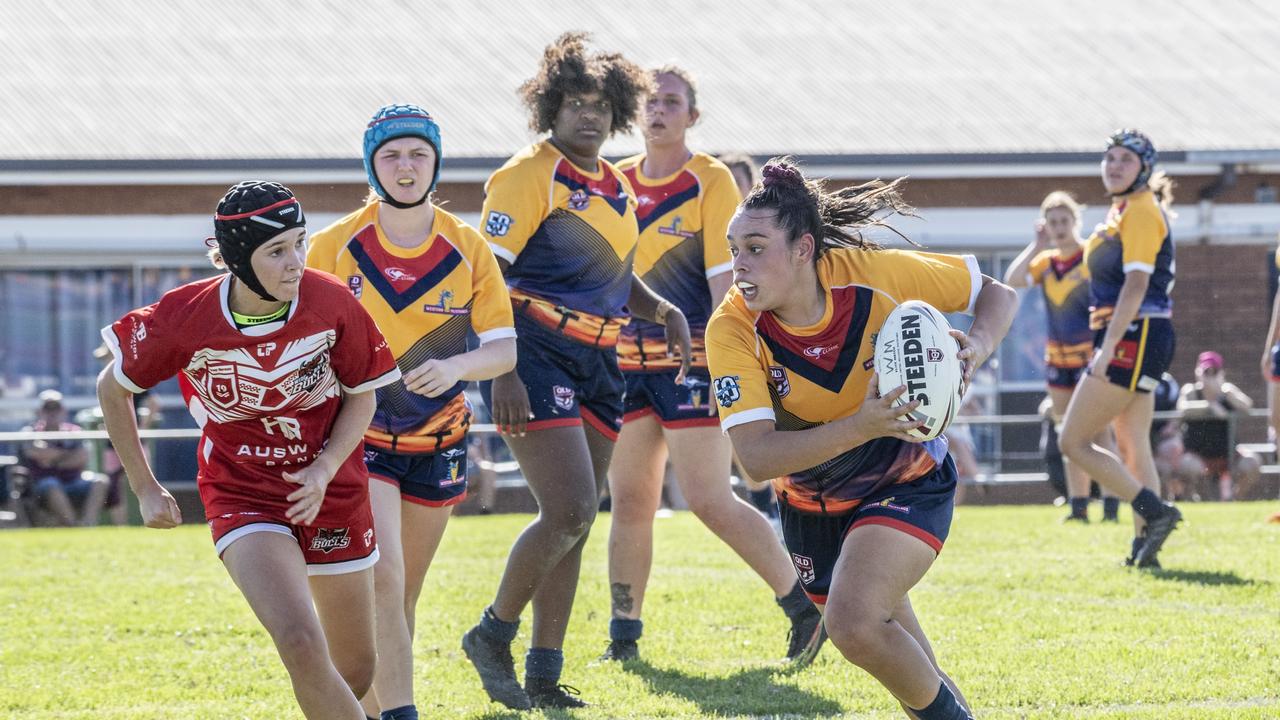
{"points": [[436, 479], [1063, 377], [675, 406], [921, 509], [1143, 354], [568, 382]]}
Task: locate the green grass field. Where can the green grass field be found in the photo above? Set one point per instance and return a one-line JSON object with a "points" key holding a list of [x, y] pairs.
{"points": [[1032, 618]]}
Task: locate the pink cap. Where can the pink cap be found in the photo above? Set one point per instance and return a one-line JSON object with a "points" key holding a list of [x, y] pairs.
{"points": [[1209, 359]]}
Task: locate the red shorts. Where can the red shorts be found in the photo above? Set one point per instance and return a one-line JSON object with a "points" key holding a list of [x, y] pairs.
{"points": [[347, 548]]}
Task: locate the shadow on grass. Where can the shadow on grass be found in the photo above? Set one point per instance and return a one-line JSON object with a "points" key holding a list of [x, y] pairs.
{"points": [[1205, 577], [752, 691]]}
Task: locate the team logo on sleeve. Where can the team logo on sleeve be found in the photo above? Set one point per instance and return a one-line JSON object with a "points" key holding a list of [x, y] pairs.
{"points": [[497, 224], [804, 568], [778, 376], [727, 390], [355, 283], [579, 200]]}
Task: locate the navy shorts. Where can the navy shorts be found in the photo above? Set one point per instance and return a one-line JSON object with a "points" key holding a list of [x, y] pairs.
{"points": [[1275, 362], [1143, 354], [1065, 378], [436, 479], [568, 382], [676, 406], [921, 509]]}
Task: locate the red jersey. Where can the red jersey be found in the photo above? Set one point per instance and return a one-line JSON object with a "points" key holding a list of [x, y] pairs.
{"points": [[265, 396]]}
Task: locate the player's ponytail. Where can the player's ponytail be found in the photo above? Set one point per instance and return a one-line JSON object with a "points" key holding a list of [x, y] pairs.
{"points": [[835, 219], [1162, 187]]}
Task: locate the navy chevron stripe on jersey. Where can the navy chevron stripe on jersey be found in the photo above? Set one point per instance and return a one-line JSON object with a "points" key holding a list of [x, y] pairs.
{"points": [[401, 300], [647, 216], [616, 200], [850, 347]]}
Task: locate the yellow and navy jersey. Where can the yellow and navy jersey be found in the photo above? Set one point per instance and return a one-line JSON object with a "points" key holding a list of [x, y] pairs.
{"points": [[802, 377], [570, 236], [683, 220], [427, 301], [1065, 282], [1134, 237]]}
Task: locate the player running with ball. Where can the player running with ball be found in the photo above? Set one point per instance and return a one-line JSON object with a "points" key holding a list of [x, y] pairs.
{"points": [[865, 507]]}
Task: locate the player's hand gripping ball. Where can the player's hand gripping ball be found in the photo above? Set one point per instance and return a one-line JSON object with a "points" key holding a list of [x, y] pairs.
{"points": [[914, 348]]}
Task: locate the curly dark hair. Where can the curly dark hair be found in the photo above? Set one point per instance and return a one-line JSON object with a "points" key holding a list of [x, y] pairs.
{"points": [[568, 68], [834, 218]]}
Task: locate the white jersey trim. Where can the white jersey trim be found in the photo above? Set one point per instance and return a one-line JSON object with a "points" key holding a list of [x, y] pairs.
{"points": [[747, 416], [113, 344], [1147, 268], [503, 253], [225, 541], [386, 378], [721, 268], [975, 282], [348, 566], [496, 334]]}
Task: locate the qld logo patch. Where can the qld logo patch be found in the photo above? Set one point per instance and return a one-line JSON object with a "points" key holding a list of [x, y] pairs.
{"points": [[579, 200], [804, 568], [355, 283], [222, 383], [563, 397], [778, 376]]}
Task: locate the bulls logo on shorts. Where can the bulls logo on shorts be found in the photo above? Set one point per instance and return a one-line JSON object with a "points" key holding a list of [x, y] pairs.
{"points": [[804, 568], [329, 539]]}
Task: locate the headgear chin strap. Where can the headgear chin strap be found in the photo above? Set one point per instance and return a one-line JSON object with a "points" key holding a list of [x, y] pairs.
{"points": [[397, 121], [1139, 144], [250, 214]]}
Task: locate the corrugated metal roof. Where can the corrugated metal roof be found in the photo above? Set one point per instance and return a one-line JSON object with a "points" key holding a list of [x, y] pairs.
{"points": [[235, 79]]}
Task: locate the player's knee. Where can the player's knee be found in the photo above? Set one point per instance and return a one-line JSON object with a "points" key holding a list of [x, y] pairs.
{"points": [[710, 509], [388, 575], [857, 635], [631, 507], [356, 670], [300, 645], [1073, 443], [572, 518]]}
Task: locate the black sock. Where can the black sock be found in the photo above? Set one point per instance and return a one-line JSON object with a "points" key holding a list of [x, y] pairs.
{"points": [[1080, 507], [1110, 508], [404, 712], [1138, 542], [496, 629], [944, 707], [1148, 505], [626, 629], [543, 664], [795, 602]]}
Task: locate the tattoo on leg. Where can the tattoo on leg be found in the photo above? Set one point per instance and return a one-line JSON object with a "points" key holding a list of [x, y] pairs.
{"points": [[622, 601]]}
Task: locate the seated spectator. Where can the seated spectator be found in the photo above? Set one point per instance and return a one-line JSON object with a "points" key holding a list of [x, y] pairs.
{"points": [[1207, 407], [56, 468]]}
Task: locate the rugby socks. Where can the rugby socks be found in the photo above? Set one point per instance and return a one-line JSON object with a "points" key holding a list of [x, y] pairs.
{"points": [[496, 629], [1148, 505], [1110, 509], [404, 712], [944, 707], [1080, 508], [625, 629], [544, 664], [1138, 542], [794, 602]]}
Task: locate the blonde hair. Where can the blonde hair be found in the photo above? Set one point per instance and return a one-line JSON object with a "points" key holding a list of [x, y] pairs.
{"points": [[1162, 187], [679, 73], [1061, 199]]}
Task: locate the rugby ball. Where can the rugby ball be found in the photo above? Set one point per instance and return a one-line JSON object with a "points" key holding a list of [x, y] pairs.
{"points": [[914, 349]]}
